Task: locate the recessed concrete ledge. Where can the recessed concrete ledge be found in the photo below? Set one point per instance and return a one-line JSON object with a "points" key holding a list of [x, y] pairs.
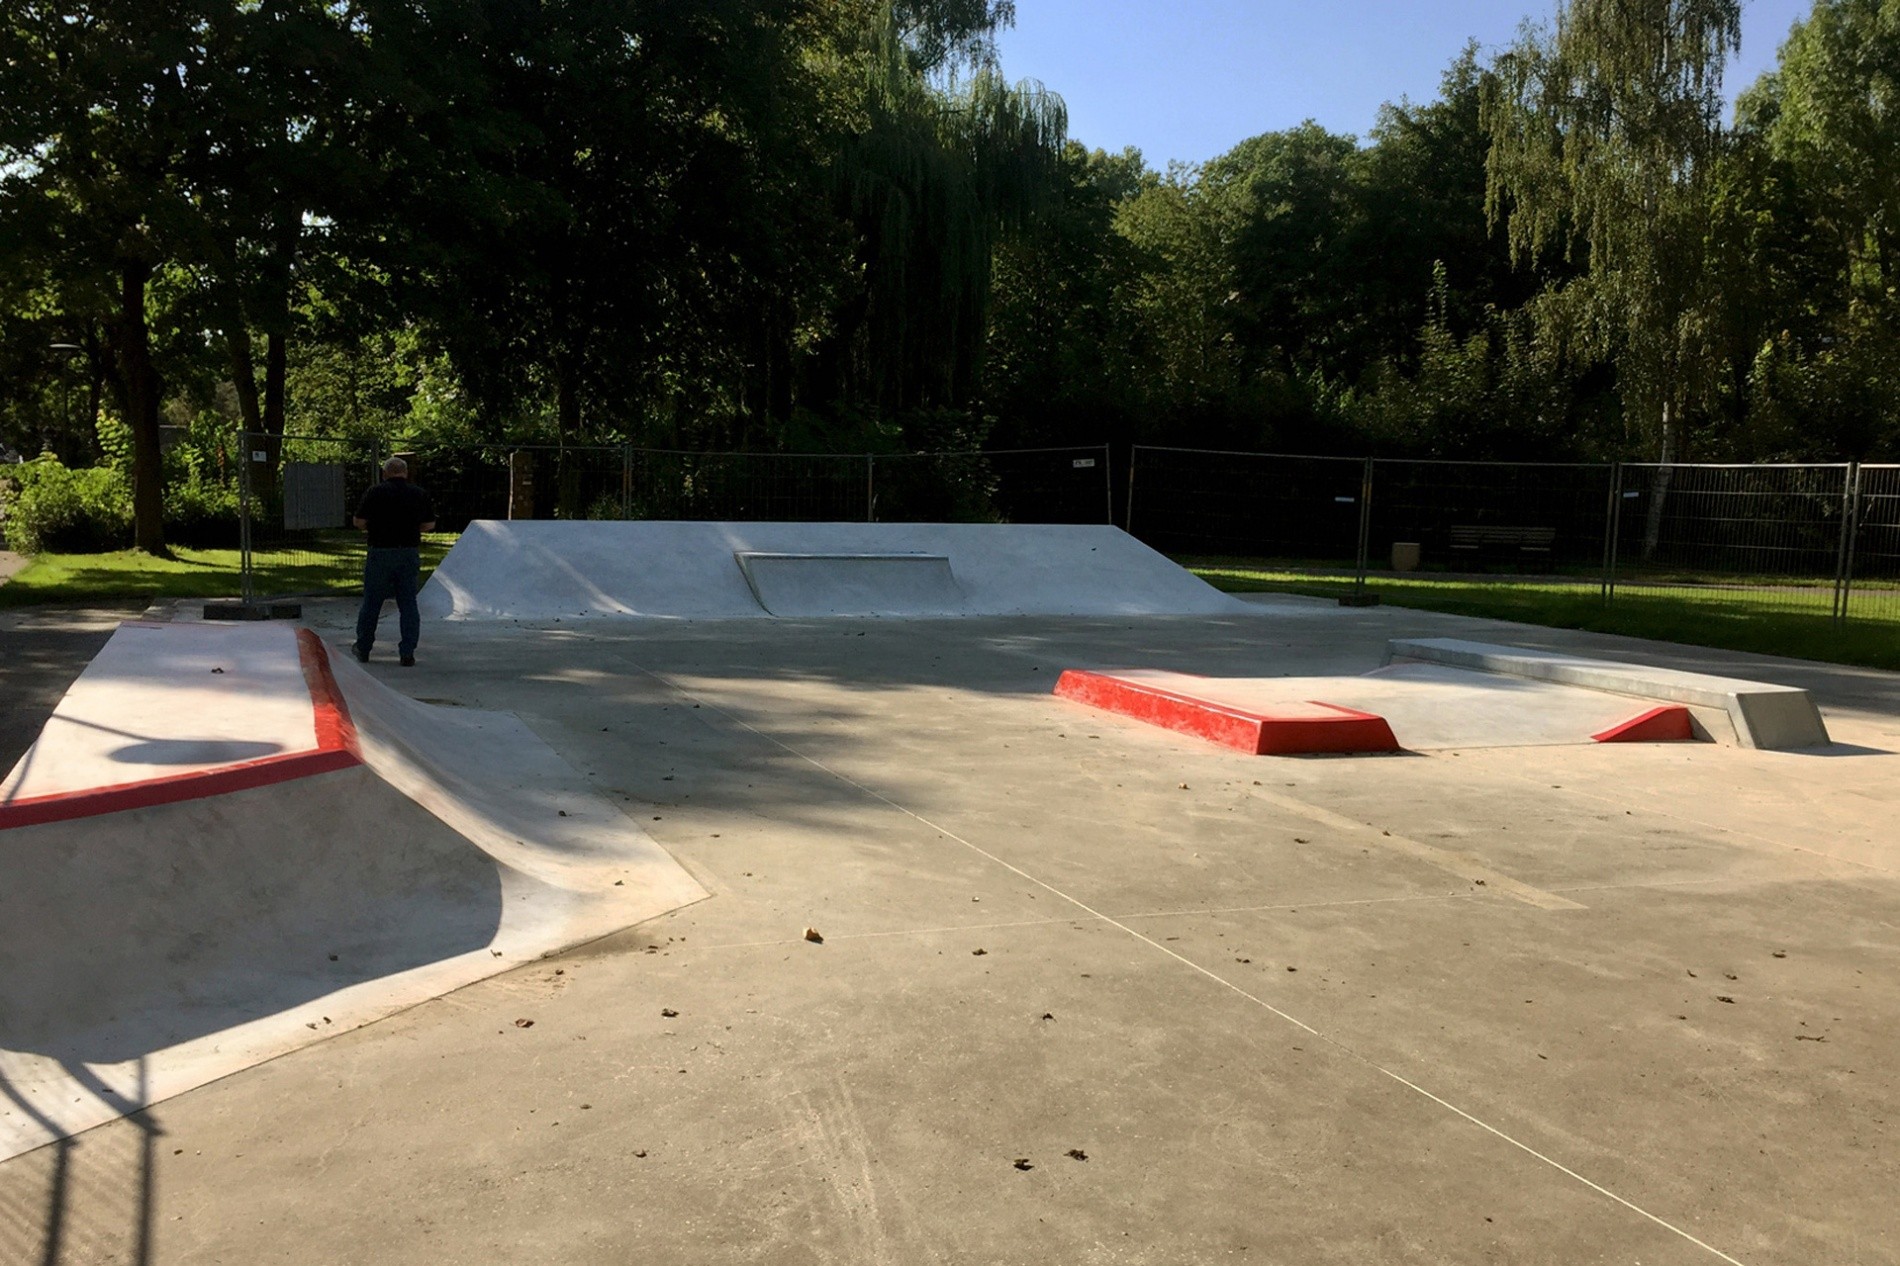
{"points": [[1767, 716]]}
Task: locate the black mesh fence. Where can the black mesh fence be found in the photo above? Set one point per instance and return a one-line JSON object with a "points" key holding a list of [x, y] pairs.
{"points": [[1871, 586], [1769, 537], [751, 487], [1490, 517], [1819, 539], [300, 493], [1292, 510]]}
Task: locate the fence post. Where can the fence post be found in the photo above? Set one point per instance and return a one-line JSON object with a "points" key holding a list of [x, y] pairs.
{"points": [[1614, 548], [1128, 524], [1850, 531], [1108, 486], [247, 584], [870, 487], [1365, 530], [1606, 589], [626, 481]]}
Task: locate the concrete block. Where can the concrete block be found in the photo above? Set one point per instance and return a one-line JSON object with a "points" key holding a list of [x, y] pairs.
{"points": [[1764, 715]]}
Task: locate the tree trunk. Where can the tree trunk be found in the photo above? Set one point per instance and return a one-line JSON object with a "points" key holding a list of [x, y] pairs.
{"points": [[1659, 488], [130, 340], [276, 368], [567, 408], [237, 342]]}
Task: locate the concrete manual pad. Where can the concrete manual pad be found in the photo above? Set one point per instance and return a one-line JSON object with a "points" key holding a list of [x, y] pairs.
{"points": [[548, 570], [1429, 707], [851, 584], [149, 950]]}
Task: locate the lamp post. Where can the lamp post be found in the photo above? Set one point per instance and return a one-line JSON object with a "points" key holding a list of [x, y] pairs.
{"points": [[65, 389]]}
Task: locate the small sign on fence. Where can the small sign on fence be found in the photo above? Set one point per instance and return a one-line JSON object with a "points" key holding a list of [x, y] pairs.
{"points": [[1083, 463]]}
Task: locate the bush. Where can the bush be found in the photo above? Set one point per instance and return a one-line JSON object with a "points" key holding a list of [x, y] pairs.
{"points": [[50, 508], [202, 514]]}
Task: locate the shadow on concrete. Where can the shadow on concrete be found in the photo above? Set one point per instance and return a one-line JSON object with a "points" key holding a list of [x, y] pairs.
{"points": [[116, 1171], [129, 933]]}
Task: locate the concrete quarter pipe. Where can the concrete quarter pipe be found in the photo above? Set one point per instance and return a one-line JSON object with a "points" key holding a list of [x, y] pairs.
{"points": [[225, 846]]}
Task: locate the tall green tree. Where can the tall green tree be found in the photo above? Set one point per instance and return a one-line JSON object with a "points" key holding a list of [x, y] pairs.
{"points": [[101, 104], [1603, 134], [930, 182]]}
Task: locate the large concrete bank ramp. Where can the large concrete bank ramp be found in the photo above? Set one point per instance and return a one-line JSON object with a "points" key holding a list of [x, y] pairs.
{"points": [[224, 847], [715, 571]]}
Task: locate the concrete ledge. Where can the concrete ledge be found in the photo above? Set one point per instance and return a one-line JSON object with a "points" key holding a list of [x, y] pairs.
{"points": [[1764, 715]]}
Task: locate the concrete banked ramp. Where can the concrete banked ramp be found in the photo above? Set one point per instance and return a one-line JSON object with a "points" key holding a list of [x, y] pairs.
{"points": [[717, 571], [225, 846]]}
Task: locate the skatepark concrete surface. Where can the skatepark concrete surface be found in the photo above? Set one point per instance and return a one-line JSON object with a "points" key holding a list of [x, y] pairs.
{"points": [[1087, 990]]}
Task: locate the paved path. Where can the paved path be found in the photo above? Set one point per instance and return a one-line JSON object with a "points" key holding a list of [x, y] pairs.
{"points": [[10, 562]]}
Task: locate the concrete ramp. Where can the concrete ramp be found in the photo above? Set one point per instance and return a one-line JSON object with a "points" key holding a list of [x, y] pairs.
{"points": [[894, 585], [190, 886], [716, 571]]}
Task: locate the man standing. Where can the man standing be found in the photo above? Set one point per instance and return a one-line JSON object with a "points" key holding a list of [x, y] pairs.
{"points": [[396, 514]]}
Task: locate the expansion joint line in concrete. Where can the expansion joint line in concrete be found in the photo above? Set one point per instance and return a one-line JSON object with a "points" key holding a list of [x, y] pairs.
{"points": [[1336, 1043]]}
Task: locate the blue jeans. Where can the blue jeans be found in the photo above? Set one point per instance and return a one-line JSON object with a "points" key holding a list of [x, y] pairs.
{"points": [[390, 573]]}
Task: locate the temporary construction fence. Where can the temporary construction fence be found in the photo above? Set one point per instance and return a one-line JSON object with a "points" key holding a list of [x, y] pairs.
{"points": [[298, 493], [1820, 539]]}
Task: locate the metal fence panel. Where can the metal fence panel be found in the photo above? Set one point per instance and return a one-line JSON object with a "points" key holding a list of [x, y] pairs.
{"points": [[1487, 517], [1300, 512], [1871, 575], [1756, 537]]}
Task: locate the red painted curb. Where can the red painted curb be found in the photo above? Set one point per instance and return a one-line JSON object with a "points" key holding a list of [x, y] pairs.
{"points": [[336, 749], [1670, 723], [336, 731], [1257, 734]]}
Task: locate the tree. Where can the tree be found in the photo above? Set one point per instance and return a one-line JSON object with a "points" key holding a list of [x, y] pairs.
{"points": [[1603, 134], [99, 104], [933, 179], [1837, 125]]}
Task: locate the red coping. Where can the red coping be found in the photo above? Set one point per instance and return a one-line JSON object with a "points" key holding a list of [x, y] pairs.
{"points": [[336, 749], [1667, 724], [1259, 735]]}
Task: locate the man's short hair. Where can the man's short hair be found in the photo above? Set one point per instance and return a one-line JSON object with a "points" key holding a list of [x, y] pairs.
{"points": [[395, 467]]}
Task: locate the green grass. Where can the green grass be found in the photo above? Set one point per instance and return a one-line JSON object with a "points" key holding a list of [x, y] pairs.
{"points": [[1788, 619], [330, 564]]}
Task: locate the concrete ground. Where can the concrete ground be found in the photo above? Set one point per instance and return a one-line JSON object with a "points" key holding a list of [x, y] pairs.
{"points": [[1089, 991], [42, 649]]}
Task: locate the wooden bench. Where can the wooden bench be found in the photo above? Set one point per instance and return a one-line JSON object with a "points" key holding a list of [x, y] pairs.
{"points": [[1519, 542]]}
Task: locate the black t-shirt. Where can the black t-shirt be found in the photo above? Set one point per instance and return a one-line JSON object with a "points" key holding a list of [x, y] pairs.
{"points": [[395, 511]]}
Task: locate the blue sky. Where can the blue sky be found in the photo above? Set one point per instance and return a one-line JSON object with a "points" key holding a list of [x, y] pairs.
{"points": [[1188, 79]]}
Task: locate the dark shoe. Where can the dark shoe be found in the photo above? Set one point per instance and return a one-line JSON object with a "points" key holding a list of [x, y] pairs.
{"points": [[360, 651], [408, 661]]}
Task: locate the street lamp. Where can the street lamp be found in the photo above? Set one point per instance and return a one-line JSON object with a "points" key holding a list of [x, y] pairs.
{"points": [[65, 390]]}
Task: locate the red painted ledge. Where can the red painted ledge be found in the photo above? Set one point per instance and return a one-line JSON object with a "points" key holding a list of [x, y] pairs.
{"points": [[336, 749], [1343, 730], [1670, 723]]}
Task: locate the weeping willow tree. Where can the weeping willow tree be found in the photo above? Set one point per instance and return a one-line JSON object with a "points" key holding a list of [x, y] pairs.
{"points": [[1603, 136], [943, 166]]}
